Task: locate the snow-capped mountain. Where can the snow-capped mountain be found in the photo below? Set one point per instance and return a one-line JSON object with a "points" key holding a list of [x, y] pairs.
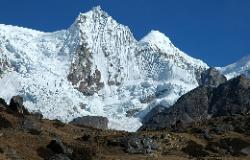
{"points": [[95, 67]]}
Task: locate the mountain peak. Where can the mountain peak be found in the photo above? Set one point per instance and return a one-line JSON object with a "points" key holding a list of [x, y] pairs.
{"points": [[94, 13], [156, 37], [97, 9]]}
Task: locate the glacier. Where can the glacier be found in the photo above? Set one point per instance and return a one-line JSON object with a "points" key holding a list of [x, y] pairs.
{"points": [[95, 67]]}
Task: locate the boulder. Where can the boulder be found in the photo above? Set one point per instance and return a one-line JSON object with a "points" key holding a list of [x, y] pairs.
{"points": [[91, 121], [16, 106], [31, 126], [135, 144]]}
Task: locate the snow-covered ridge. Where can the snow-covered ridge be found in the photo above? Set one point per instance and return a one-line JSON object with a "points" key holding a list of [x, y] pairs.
{"points": [[240, 67], [95, 67]]}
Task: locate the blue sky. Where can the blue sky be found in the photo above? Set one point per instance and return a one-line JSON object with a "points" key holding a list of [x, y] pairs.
{"points": [[216, 31]]}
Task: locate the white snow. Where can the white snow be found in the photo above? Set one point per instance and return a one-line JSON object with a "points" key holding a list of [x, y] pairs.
{"points": [[150, 71]]}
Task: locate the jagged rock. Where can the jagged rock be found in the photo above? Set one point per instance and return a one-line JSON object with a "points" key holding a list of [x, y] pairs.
{"points": [[91, 121], [80, 72], [212, 77], [3, 104], [31, 126], [16, 106]]}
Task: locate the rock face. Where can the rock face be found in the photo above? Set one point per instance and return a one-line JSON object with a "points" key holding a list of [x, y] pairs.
{"points": [[91, 121], [16, 105], [212, 78], [230, 98]]}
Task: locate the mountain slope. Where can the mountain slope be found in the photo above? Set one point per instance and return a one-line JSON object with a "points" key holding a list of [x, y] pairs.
{"points": [[95, 67]]}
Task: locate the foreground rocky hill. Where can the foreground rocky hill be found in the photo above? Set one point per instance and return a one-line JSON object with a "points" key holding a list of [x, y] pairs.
{"points": [[226, 136]]}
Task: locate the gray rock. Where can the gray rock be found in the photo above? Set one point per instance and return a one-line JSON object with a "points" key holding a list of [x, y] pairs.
{"points": [[212, 78], [231, 98], [16, 106], [91, 121], [135, 144], [80, 72]]}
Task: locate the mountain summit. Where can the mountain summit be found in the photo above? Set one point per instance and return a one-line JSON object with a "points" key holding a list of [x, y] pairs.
{"points": [[95, 67]]}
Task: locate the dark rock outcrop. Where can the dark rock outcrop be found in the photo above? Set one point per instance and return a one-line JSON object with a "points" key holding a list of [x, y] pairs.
{"points": [[91, 121], [3, 104], [231, 98], [81, 75], [16, 106], [204, 102], [212, 78]]}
